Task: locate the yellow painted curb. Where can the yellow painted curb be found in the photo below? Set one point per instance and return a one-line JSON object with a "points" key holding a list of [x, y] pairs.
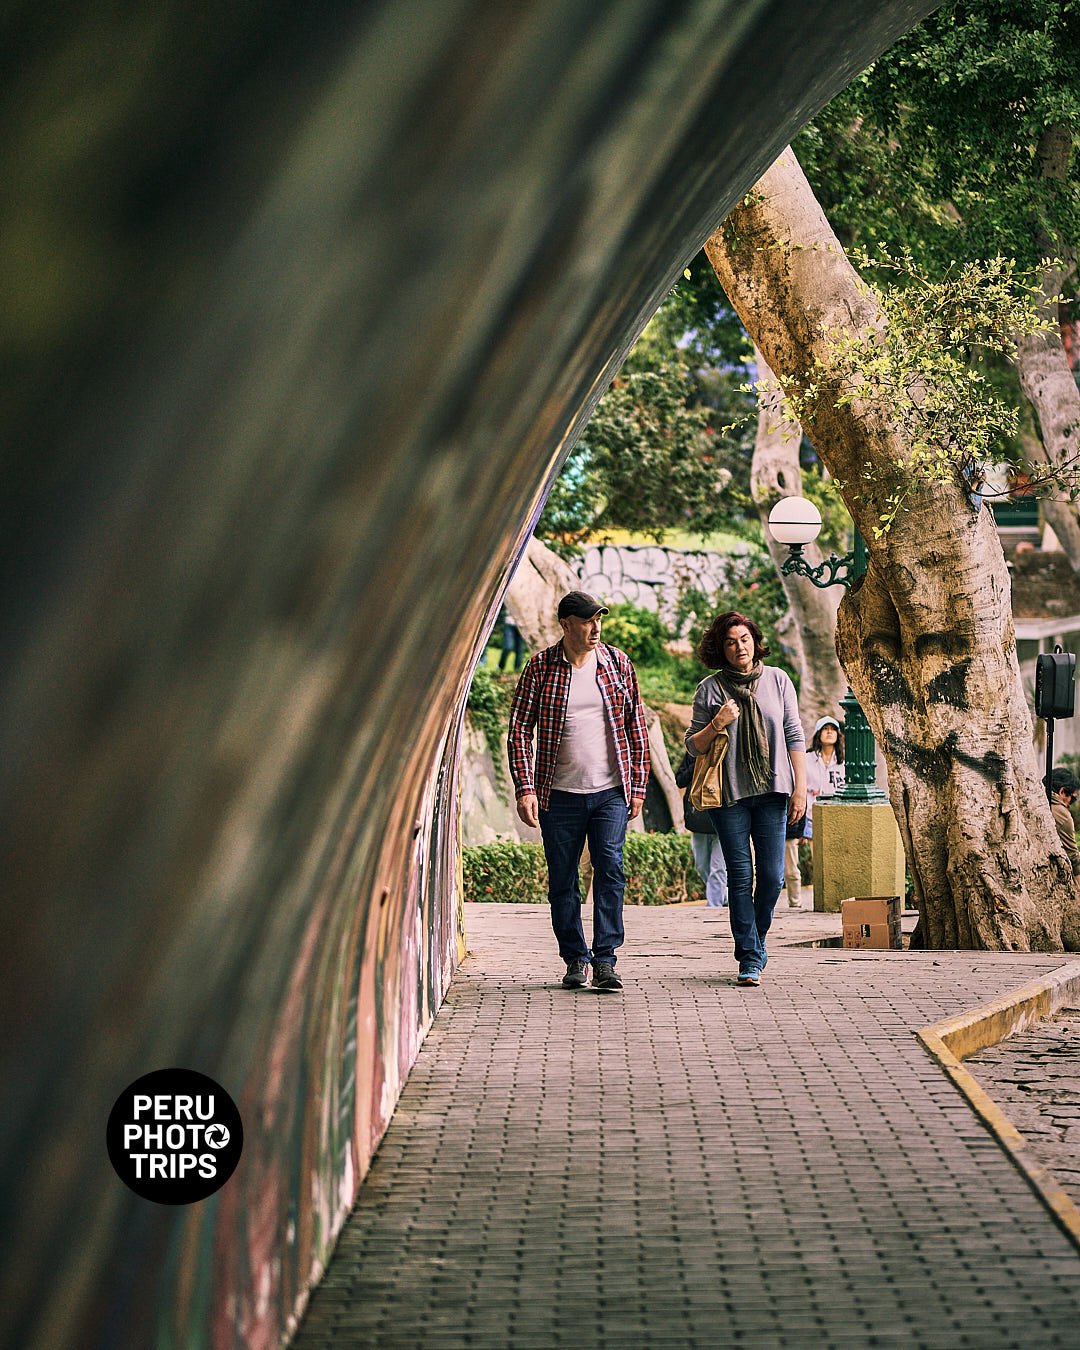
{"points": [[959, 1037]]}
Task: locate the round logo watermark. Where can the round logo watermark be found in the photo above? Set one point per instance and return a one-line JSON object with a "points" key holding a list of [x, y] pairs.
{"points": [[174, 1136]]}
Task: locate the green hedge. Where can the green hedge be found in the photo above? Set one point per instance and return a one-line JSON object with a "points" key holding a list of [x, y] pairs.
{"points": [[506, 872], [659, 871]]}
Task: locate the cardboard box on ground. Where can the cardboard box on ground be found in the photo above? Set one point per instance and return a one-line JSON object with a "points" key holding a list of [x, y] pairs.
{"points": [[872, 921]]}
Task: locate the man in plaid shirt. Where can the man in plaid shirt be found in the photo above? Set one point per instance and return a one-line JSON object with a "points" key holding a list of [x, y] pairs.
{"points": [[592, 764]]}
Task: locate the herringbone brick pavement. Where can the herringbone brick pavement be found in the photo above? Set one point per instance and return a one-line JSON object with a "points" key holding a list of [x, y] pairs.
{"points": [[694, 1164]]}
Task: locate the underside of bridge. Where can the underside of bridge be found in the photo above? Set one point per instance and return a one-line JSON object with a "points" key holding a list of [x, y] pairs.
{"points": [[305, 305]]}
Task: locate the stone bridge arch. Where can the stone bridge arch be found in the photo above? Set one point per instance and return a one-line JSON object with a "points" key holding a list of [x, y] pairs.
{"points": [[307, 303]]}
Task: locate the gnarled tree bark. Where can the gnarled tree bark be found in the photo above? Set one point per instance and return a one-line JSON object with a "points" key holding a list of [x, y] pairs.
{"points": [[926, 638]]}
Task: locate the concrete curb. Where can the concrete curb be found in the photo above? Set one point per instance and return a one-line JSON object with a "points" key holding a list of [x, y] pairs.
{"points": [[957, 1038]]}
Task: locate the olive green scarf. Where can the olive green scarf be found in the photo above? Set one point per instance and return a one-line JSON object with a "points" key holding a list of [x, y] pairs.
{"points": [[752, 753]]}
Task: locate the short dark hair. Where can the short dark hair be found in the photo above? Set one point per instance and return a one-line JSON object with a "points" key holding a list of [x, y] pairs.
{"points": [[1064, 780], [711, 647]]}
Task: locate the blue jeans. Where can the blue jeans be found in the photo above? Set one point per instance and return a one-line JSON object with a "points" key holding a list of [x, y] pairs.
{"points": [[709, 861], [571, 818], [762, 819]]}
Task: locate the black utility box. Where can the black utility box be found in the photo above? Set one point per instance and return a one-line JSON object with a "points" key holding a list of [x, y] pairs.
{"points": [[1055, 676]]}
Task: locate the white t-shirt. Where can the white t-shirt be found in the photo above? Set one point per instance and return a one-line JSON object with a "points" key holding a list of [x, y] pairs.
{"points": [[586, 761]]}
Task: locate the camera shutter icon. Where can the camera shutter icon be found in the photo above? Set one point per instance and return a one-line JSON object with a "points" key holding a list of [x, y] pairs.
{"points": [[217, 1136]]}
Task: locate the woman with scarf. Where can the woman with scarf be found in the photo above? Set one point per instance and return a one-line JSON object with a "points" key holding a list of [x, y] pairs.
{"points": [[764, 774]]}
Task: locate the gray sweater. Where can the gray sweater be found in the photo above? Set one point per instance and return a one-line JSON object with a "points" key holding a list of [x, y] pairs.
{"points": [[779, 710]]}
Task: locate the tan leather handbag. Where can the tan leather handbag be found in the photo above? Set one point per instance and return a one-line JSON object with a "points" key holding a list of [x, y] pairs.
{"points": [[707, 785]]}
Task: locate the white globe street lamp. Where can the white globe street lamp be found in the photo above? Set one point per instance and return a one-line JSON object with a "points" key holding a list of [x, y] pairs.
{"points": [[796, 522]]}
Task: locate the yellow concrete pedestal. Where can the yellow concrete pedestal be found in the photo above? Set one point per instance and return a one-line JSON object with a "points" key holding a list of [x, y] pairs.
{"points": [[857, 851]]}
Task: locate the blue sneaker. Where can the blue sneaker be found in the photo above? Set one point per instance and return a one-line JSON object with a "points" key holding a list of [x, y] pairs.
{"points": [[749, 976]]}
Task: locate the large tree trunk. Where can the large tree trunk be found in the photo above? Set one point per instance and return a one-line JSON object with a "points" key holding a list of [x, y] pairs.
{"points": [[1043, 367], [926, 638], [775, 473]]}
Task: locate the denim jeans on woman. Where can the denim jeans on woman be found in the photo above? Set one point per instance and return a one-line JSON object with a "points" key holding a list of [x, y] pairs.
{"points": [[751, 900], [573, 817]]}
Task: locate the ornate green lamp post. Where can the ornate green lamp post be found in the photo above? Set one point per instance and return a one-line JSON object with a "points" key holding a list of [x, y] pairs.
{"points": [[796, 522]]}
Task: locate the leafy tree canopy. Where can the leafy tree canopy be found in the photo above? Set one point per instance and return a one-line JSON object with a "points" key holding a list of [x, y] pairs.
{"points": [[934, 150], [652, 459]]}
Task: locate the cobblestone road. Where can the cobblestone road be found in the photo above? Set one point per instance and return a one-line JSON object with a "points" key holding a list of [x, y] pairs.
{"points": [[1035, 1078], [694, 1164]]}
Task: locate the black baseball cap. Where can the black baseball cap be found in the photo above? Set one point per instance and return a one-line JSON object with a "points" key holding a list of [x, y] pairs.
{"points": [[580, 605]]}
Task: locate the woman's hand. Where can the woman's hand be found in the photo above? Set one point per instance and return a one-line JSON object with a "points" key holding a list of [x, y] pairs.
{"points": [[796, 804], [725, 715]]}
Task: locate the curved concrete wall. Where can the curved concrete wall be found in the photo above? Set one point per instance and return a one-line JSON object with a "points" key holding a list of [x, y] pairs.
{"points": [[305, 302]]}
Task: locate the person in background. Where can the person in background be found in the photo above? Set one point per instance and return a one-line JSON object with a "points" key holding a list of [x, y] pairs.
{"points": [[764, 774], [708, 855], [513, 644], [580, 699], [824, 775], [1063, 792]]}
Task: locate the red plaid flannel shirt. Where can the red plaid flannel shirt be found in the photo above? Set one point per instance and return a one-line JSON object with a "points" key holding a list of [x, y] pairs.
{"points": [[540, 703]]}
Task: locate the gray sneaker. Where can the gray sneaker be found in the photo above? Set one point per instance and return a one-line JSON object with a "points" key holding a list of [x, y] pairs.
{"points": [[604, 978], [577, 975]]}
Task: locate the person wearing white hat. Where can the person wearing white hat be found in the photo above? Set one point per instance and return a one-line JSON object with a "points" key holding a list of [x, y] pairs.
{"points": [[824, 774]]}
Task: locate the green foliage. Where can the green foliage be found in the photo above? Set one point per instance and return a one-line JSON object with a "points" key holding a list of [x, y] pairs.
{"points": [[573, 506], [672, 680], [697, 323], [640, 633], [659, 871], [654, 452], [506, 871], [753, 588], [490, 695], [646, 461], [835, 520], [667, 447], [934, 149], [954, 147], [916, 375]]}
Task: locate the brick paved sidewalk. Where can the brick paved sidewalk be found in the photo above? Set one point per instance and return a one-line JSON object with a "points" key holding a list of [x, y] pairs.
{"points": [[694, 1164]]}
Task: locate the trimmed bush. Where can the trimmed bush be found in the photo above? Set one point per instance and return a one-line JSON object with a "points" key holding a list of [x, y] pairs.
{"points": [[506, 872], [659, 871], [638, 632]]}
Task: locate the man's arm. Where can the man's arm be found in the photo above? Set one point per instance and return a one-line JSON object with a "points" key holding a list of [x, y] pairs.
{"points": [[524, 711], [637, 735]]}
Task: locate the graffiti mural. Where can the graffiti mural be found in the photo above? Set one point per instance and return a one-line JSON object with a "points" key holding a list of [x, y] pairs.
{"points": [[653, 576]]}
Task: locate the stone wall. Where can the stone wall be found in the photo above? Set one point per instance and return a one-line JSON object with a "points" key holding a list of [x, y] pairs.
{"points": [[654, 575]]}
